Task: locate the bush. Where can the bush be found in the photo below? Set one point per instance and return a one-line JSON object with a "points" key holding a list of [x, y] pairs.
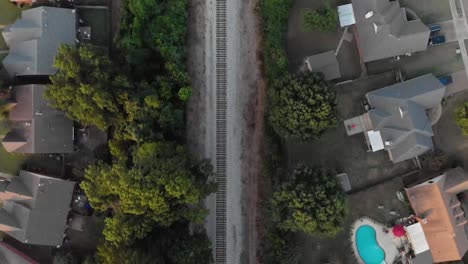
{"points": [[322, 20], [275, 21], [461, 117], [302, 106], [311, 202]]}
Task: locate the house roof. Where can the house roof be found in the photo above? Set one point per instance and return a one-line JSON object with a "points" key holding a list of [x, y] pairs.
{"points": [[34, 40], [383, 30], [399, 113], [35, 208], [11, 255], [36, 127], [435, 201], [423, 258], [325, 63]]}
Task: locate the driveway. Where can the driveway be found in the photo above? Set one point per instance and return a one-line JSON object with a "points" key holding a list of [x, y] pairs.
{"points": [[448, 30], [459, 84]]}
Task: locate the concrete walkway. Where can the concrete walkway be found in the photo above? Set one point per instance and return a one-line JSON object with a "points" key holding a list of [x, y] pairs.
{"points": [[461, 29]]}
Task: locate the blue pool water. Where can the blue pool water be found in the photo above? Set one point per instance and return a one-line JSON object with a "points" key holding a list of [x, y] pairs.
{"points": [[367, 246]]}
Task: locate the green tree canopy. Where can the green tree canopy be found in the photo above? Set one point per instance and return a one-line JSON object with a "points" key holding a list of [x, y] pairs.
{"points": [[310, 202], [85, 86], [174, 245], [461, 117], [93, 90], [302, 106], [160, 186]]}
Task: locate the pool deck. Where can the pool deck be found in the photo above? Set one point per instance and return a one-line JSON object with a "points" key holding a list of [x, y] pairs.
{"points": [[386, 240]]}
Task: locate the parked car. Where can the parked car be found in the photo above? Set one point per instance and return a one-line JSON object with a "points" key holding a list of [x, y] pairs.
{"points": [[434, 28], [437, 40], [445, 80]]}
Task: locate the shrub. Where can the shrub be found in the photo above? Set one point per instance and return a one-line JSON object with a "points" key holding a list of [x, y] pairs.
{"points": [[322, 20], [461, 117]]}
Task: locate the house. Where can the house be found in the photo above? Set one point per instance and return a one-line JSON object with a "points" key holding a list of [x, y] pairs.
{"points": [[11, 255], [35, 38], [35, 208], [443, 220], [383, 30], [35, 126], [400, 117]]}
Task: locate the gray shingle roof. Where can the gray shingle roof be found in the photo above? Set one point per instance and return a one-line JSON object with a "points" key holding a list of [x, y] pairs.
{"points": [[387, 33], [35, 38], [41, 218], [399, 113], [36, 127], [325, 63]]}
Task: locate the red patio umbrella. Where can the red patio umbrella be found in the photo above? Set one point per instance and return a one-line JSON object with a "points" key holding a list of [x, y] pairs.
{"points": [[399, 231]]}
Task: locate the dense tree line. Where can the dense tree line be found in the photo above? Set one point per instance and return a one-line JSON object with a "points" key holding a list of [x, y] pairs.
{"points": [[159, 186], [152, 189], [94, 90]]}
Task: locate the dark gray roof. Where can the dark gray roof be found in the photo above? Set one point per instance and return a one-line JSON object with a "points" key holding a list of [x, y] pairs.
{"points": [[387, 33], [36, 127], [399, 113], [40, 217], [35, 38], [326, 63], [423, 258]]}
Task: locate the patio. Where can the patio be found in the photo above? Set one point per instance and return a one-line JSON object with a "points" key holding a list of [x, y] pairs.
{"points": [[385, 238]]}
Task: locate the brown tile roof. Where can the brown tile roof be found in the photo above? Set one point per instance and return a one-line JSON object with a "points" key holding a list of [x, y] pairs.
{"points": [[431, 201]]}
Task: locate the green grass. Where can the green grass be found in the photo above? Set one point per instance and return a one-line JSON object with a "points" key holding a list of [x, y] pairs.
{"points": [[8, 14], [10, 163]]}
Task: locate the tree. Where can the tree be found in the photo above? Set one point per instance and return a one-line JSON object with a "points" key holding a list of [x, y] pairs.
{"points": [[95, 91], [85, 86], [461, 117], [173, 245], [310, 202], [324, 19], [161, 185], [302, 106]]}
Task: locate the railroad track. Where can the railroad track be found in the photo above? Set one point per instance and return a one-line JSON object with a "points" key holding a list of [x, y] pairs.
{"points": [[221, 108]]}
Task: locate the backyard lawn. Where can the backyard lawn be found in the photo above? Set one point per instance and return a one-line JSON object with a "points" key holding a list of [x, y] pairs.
{"points": [[10, 163], [8, 14]]}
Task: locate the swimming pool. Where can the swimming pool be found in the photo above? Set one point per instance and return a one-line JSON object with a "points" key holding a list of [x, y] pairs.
{"points": [[367, 246]]}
